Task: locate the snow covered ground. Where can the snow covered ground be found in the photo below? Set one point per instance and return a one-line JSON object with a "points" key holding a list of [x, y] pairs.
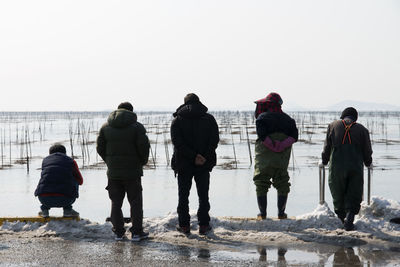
{"points": [[315, 238], [321, 225]]}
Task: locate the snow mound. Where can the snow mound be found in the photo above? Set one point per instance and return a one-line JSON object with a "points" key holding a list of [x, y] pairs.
{"points": [[320, 225]]}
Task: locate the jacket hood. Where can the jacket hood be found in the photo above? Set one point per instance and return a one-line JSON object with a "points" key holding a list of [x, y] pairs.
{"points": [[121, 118], [191, 110]]}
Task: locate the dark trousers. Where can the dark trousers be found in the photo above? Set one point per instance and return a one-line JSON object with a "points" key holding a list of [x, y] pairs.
{"points": [[56, 202], [202, 179], [116, 192], [347, 190]]}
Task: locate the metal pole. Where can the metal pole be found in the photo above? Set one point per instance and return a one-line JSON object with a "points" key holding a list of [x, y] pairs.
{"points": [[369, 185], [321, 183]]}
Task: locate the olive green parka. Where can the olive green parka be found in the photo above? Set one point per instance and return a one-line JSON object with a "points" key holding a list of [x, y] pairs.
{"points": [[123, 144]]}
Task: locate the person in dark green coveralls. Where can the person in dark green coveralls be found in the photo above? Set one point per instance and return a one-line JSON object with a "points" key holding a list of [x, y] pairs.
{"points": [[276, 133], [347, 147]]}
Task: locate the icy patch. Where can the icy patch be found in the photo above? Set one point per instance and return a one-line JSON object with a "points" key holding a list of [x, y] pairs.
{"points": [[320, 225]]}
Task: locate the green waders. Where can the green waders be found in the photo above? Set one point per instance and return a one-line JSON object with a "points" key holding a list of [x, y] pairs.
{"points": [[271, 168], [346, 179]]}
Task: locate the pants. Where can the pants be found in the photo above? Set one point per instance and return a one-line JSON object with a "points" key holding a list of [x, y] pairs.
{"points": [[264, 178], [347, 190], [270, 168], [56, 202], [116, 192], [346, 179], [202, 179]]}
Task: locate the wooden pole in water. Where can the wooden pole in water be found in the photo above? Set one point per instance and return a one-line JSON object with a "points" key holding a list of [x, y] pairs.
{"points": [[9, 129], [233, 146], [26, 150], [248, 144], [166, 147]]}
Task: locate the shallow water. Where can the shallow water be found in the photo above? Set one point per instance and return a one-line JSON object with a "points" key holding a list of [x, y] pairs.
{"points": [[232, 192], [151, 253]]}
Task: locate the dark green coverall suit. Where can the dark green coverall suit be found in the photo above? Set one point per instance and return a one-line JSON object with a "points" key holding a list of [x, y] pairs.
{"points": [[346, 151]]}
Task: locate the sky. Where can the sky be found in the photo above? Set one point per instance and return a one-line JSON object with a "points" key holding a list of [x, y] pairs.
{"points": [[92, 55]]}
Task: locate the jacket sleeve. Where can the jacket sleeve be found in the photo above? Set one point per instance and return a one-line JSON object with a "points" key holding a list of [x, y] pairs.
{"points": [[101, 144], [367, 149], [77, 174], [261, 128], [142, 145], [326, 153], [294, 131], [179, 144], [214, 137]]}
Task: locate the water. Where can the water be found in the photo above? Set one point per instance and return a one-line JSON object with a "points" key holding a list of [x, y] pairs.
{"points": [[232, 192]]}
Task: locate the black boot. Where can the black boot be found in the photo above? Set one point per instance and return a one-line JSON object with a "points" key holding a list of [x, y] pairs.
{"points": [[348, 221], [282, 206], [262, 206], [341, 217]]}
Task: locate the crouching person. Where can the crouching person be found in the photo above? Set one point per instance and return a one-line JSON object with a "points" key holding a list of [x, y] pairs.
{"points": [[276, 133], [59, 182]]}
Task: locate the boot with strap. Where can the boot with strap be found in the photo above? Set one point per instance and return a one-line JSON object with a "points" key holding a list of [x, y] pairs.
{"points": [[282, 206], [262, 206]]}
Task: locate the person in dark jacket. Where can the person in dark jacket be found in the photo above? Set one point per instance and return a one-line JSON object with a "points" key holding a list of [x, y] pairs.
{"points": [[195, 137], [276, 132], [347, 147], [59, 182], [124, 146]]}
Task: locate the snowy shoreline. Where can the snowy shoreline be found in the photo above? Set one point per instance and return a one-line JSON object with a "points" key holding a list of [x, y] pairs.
{"points": [[373, 226]]}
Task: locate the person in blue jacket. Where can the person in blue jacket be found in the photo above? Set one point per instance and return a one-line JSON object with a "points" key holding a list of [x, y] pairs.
{"points": [[59, 182]]}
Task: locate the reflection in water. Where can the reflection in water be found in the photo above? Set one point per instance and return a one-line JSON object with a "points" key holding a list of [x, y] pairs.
{"points": [[281, 255], [346, 257], [204, 253], [342, 256]]}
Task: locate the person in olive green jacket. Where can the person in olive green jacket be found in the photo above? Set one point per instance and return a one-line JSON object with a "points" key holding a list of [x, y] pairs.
{"points": [[124, 146], [347, 146]]}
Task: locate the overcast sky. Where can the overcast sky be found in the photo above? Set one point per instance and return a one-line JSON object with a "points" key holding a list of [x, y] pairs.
{"points": [[92, 55]]}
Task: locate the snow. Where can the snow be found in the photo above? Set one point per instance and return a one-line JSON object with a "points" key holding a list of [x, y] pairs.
{"points": [[321, 225]]}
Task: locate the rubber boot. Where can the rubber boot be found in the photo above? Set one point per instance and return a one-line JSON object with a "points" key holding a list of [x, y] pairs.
{"points": [[282, 206], [341, 217], [262, 206], [348, 221]]}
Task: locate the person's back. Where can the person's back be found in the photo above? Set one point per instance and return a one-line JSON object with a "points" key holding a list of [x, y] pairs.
{"points": [[193, 131], [276, 132], [347, 146], [353, 150], [124, 146], [59, 182], [195, 136], [57, 177]]}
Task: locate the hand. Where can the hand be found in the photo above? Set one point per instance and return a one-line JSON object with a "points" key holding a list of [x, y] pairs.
{"points": [[199, 160], [269, 144], [282, 145]]}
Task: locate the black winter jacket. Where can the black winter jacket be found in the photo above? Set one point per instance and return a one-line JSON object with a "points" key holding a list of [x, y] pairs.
{"points": [[193, 131], [57, 176], [123, 144], [275, 122]]}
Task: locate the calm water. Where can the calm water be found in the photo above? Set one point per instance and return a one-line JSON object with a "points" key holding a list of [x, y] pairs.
{"points": [[232, 192]]}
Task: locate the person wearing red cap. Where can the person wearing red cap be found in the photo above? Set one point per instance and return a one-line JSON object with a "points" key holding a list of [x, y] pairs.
{"points": [[276, 133]]}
